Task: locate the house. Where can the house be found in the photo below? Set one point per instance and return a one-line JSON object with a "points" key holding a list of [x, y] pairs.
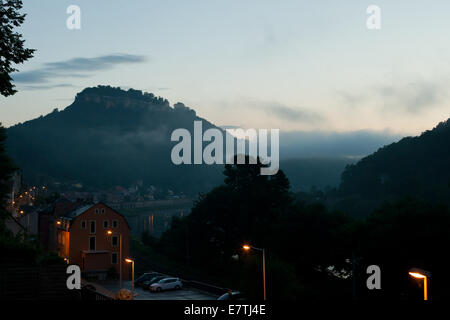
{"points": [[92, 237], [14, 226]]}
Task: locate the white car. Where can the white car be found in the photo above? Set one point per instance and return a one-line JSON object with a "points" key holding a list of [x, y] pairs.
{"points": [[166, 284]]}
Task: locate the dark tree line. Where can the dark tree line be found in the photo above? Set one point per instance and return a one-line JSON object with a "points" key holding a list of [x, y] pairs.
{"points": [[414, 166], [312, 252]]}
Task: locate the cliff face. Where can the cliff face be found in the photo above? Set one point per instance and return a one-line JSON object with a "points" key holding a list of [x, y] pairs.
{"points": [[107, 137], [115, 97]]}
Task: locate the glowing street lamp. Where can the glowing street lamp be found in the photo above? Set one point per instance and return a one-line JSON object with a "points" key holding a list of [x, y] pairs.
{"points": [[247, 247], [421, 274], [132, 272]]}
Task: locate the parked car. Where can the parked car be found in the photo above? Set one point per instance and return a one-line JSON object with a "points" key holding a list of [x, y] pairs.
{"points": [[232, 295], [148, 283], [166, 284], [145, 277]]}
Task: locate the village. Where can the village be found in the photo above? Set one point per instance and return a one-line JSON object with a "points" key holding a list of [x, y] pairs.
{"points": [[88, 230]]}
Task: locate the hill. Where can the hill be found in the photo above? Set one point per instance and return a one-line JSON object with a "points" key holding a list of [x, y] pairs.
{"points": [[306, 174], [107, 137], [413, 167]]}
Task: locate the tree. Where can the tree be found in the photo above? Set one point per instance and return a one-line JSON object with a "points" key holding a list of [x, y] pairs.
{"points": [[6, 169], [404, 234], [12, 48], [301, 240]]}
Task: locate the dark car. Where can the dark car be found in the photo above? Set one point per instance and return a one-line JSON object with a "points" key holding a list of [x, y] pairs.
{"points": [[234, 295], [145, 277], [148, 283]]}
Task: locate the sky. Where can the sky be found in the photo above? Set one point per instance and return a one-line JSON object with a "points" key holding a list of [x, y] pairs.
{"points": [[291, 65]]}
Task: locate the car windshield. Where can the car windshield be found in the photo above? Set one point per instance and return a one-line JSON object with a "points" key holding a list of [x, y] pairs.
{"points": [[146, 276], [155, 279], [225, 296]]}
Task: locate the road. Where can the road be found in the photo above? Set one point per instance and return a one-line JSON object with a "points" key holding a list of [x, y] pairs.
{"points": [[186, 293]]}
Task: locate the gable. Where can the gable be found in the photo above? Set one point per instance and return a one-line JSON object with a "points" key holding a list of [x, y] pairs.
{"points": [[96, 209]]}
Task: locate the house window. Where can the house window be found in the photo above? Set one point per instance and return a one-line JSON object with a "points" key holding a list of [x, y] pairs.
{"points": [[114, 258], [103, 210], [115, 223], [83, 224], [92, 226], [105, 224], [92, 243], [114, 241], [96, 211]]}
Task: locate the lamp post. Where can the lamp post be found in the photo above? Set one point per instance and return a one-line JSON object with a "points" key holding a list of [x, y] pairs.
{"points": [[421, 274], [247, 248], [132, 272], [109, 232]]}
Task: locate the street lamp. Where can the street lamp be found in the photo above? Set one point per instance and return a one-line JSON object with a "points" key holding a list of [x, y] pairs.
{"points": [[109, 232], [132, 272], [247, 248], [421, 274]]}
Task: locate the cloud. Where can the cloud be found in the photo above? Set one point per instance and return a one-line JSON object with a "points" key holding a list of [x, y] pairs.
{"points": [[413, 97], [43, 87], [75, 68], [284, 112], [350, 144], [277, 110], [229, 127]]}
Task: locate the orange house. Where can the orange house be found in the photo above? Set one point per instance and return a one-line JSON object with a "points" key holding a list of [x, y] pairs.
{"points": [[94, 236]]}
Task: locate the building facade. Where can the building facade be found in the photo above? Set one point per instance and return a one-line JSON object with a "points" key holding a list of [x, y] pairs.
{"points": [[95, 236]]}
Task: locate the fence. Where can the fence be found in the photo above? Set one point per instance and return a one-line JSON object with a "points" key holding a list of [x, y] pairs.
{"points": [[19, 282], [91, 294]]}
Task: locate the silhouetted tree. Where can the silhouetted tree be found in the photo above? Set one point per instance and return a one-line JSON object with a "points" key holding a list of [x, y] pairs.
{"points": [[404, 234], [12, 50], [6, 170], [302, 241]]}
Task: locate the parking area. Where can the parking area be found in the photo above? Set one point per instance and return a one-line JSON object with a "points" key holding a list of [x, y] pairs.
{"points": [[183, 294], [186, 293]]}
